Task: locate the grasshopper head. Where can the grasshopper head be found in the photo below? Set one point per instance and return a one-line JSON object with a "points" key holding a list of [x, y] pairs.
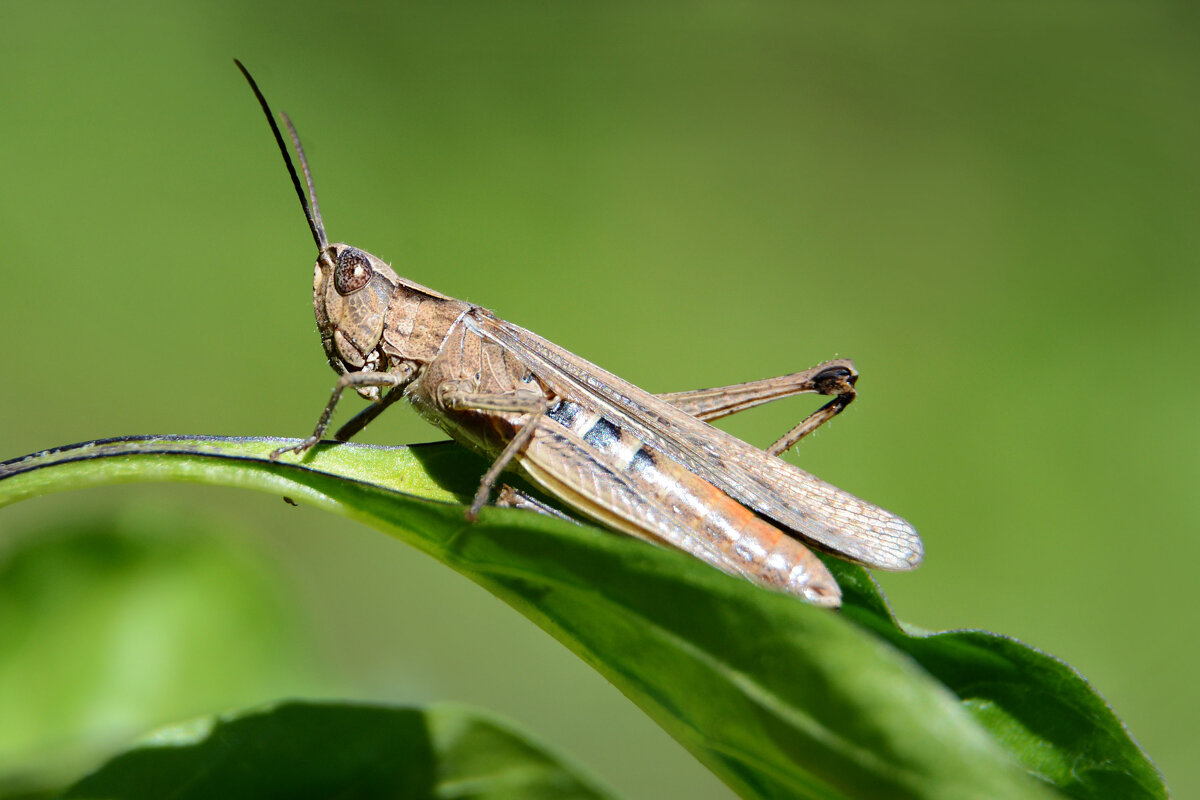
{"points": [[352, 291]]}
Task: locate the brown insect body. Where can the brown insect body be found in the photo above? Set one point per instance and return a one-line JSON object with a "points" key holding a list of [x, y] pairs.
{"points": [[643, 464], [373, 321]]}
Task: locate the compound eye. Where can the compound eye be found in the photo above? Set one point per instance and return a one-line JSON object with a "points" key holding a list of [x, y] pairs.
{"points": [[353, 271]]}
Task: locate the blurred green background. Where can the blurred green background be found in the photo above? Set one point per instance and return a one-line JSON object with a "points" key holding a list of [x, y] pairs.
{"points": [[992, 208]]}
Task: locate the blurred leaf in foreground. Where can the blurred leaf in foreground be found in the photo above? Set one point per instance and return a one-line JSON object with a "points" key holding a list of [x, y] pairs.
{"points": [[347, 751], [111, 626]]}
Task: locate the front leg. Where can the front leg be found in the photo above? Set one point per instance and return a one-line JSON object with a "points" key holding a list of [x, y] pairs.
{"points": [[395, 378], [367, 415]]}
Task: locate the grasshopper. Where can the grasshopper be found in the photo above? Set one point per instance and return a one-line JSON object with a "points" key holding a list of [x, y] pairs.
{"points": [[643, 464]]}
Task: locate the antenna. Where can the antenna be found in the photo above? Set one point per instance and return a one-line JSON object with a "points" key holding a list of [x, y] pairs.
{"points": [[313, 213]]}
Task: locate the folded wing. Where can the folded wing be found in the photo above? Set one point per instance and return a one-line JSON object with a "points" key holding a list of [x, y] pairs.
{"points": [[818, 511]]}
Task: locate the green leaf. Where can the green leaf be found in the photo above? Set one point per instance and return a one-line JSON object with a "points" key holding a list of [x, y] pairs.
{"points": [[347, 751], [778, 698], [1038, 706]]}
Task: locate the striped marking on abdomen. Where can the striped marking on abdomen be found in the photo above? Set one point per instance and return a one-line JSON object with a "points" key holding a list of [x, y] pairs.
{"points": [[625, 451]]}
